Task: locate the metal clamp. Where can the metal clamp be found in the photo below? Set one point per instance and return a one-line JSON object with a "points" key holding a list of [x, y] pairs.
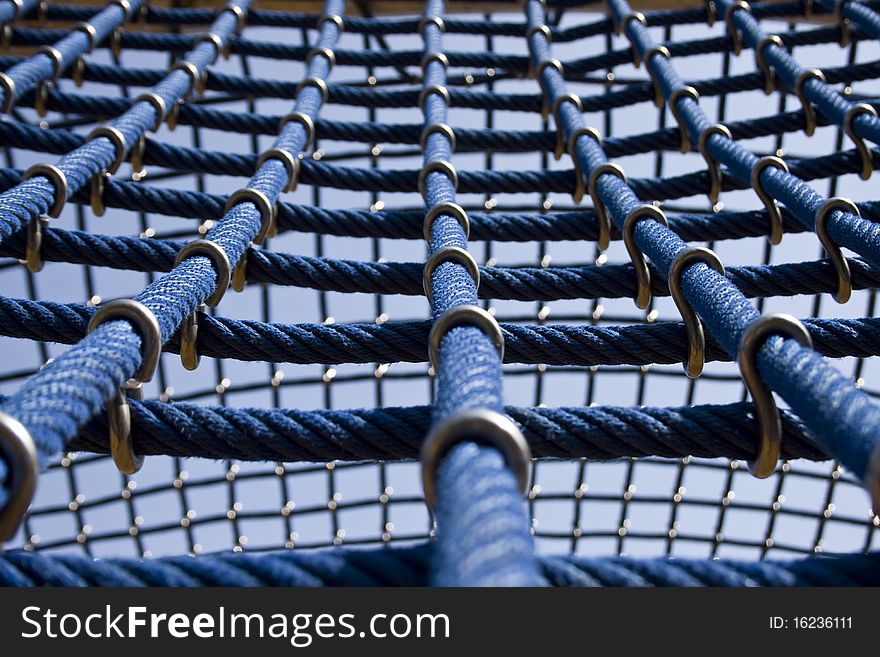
{"points": [[305, 121], [841, 264], [466, 315], [449, 254], [57, 59], [189, 334], [144, 322], [438, 166], [336, 19], [20, 454], [264, 206], [623, 24], [437, 128], [734, 34], [158, 104], [32, 250], [560, 131], [6, 34], [480, 425], [318, 84], [195, 76], [761, 61], [59, 181], [320, 51], [438, 89], [674, 97], [91, 34], [220, 261], [571, 148], [214, 40], [174, 114], [603, 220], [240, 16], [8, 86], [861, 147], [117, 139], [116, 42], [431, 20], [535, 29], [78, 71], [97, 187], [290, 162], [842, 22], [769, 423], [239, 272], [809, 111], [711, 12], [125, 5], [769, 202], [41, 97], [693, 366], [433, 57], [547, 63], [643, 274], [663, 51], [711, 162], [450, 209]]}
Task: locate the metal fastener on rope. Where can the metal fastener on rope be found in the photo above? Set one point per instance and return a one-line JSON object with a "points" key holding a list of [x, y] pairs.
{"points": [[437, 128], [711, 12], [433, 57], [41, 97], [320, 51], [809, 111], [18, 9], [6, 33], [677, 94], [841, 264], [769, 202], [632, 16], [761, 60], [305, 121], [463, 315], [713, 164], [431, 20], [663, 51], [174, 114], [769, 421], [734, 33], [23, 467], [336, 19], [643, 274], [264, 207], [861, 147], [97, 187], [239, 272], [8, 86], [158, 104], [437, 166], [57, 59], [438, 89], [143, 322], [116, 42], [91, 34], [448, 208], [480, 425], [571, 148], [290, 162], [117, 139], [214, 40], [240, 16], [78, 71], [32, 251], [547, 63], [449, 254], [693, 366], [189, 335], [219, 260], [59, 181], [534, 29], [318, 84], [842, 22], [195, 76], [560, 131], [602, 219], [125, 5]]}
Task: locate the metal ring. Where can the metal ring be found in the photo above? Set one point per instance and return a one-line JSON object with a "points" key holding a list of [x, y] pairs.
{"points": [[91, 33], [220, 261], [240, 16], [861, 147], [125, 458], [214, 40], [714, 166], [318, 84], [463, 315], [841, 264], [144, 323], [560, 131], [547, 63], [32, 255], [431, 20], [188, 336], [41, 97], [693, 366], [20, 454], [336, 19], [769, 202], [438, 89], [78, 71], [174, 114], [264, 206], [158, 104], [57, 59], [97, 186], [761, 61], [446, 208], [809, 111], [480, 425], [769, 422], [449, 254], [604, 221], [125, 5], [643, 274], [534, 29], [653, 50], [59, 181], [577, 133], [674, 97], [8, 86], [239, 272], [735, 35], [592, 133], [438, 128], [291, 165], [326, 53], [195, 77], [117, 139], [438, 166], [305, 121], [623, 24], [116, 42], [433, 57]]}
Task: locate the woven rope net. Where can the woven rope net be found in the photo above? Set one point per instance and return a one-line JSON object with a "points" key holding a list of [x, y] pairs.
{"points": [[300, 428]]}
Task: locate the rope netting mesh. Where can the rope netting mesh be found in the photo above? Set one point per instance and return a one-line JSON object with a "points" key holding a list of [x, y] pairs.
{"points": [[358, 138]]}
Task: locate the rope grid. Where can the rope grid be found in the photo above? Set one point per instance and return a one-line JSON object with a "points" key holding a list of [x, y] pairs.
{"points": [[475, 445]]}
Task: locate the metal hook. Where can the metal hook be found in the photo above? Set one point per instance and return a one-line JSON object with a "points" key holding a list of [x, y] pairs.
{"points": [[571, 148], [769, 422], [809, 111], [20, 453], [189, 333], [59, 181], [445, 208], [735, 35], [643, 274], [264, 206], [291, 165], [219, 261], [603, 220], [463, 315], [33, 258], [449, 254], [437, 166], [560, 132], [711, 162], [861, 147], [674, 97], [761, 61], [776, 228], [841, 264]]}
